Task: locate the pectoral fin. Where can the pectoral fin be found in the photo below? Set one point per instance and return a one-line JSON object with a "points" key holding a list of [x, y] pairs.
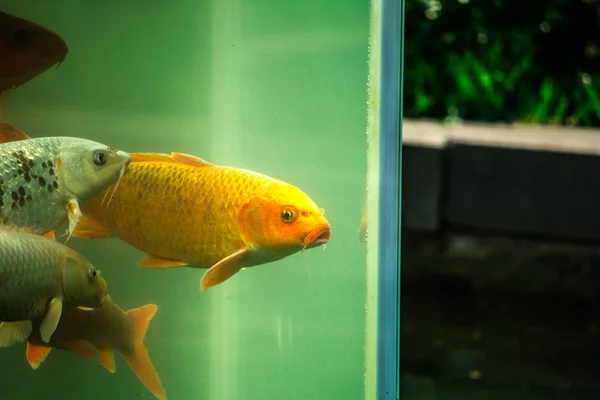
{"points": [[50, 235], [74, 213], [89, 227], [36, 354], [50, 321], [157, 262], [107, 359], [224, 269], [12, 333]]}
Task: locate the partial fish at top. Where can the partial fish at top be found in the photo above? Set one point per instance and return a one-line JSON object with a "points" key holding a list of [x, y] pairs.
{"points": [[43, 180], [26, 50]]}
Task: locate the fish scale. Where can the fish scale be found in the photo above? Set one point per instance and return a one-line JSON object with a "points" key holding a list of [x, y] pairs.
{"points": [[190, 193], [30, 195]]}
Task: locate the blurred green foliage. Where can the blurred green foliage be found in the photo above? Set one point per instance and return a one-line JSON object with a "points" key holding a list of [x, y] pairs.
{"points": [[503, 60]]}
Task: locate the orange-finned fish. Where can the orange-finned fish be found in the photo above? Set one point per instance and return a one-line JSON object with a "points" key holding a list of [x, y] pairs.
{"points": [[182, 210], [96, 333], [26, 50]]}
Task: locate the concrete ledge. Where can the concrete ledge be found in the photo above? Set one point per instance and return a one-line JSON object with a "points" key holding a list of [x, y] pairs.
{"points": [[524, 180], [426, 133]]}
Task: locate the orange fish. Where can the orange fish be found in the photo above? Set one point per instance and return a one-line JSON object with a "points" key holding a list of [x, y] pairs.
{"points": [[26, 50], [183, 211], [94, 334]]}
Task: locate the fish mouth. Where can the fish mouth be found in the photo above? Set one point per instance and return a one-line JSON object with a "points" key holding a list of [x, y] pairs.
{"points": [[104, 294], [122, 171], [318, 236], [126, 166], [61, 57], [60, 60], [127, 159], [101, 298]]}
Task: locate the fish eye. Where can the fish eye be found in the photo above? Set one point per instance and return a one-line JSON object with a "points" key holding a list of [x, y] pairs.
{"points": [[92, 272], [287, 215], [99, 157]]}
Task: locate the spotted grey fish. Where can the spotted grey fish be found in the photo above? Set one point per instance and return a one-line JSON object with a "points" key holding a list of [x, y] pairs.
{"points": [[43, 180], [38, 277]]}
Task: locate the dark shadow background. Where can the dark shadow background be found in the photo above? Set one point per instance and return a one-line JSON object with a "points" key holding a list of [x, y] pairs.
{"points": [[491, 313]]}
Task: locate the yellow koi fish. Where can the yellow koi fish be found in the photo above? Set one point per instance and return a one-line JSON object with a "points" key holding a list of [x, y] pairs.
{"points": [[184, 211]]}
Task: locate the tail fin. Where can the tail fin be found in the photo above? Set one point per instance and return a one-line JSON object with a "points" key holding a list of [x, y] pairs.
{"points": [[138, 360]]}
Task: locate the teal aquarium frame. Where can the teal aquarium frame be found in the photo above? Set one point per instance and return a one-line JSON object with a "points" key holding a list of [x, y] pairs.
{"points": [[390, 200]]}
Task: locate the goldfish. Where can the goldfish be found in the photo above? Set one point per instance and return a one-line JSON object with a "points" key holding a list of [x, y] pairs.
{"points": [[26, 50], [184, 211], [40, 277], [43, 180], [95, 334]]}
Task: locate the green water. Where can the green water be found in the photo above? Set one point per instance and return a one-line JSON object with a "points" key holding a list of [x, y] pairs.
{"points": [[274, 86]]}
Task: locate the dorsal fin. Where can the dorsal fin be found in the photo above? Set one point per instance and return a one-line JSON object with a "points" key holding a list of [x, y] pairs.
{"points": [[9, 133], [177, 158], [188, 159], [148, 157]]}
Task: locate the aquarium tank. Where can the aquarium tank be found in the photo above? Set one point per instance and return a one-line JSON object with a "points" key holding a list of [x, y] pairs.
{"points": [[200, 199]]}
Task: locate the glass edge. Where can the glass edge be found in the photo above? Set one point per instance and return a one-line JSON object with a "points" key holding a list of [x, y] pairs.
{"points": [[390, 183]]}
